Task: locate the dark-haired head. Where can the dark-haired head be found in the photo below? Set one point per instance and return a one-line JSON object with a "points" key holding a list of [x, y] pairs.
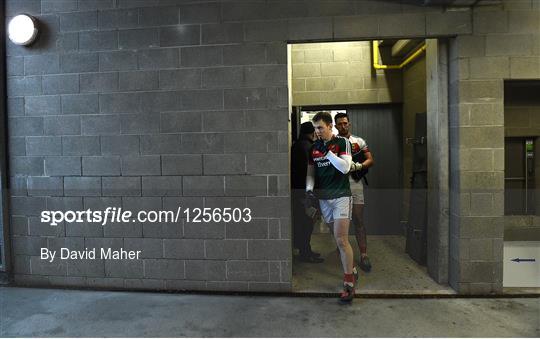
{"points": [[339, 116], [324, 116]]}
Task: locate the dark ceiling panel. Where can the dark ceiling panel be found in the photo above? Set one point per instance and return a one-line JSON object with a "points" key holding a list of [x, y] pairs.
{"points": [[439, 2], [449, 2]]}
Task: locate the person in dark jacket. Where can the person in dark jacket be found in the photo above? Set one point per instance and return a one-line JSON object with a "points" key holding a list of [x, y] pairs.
{"points": [[302, 223]]}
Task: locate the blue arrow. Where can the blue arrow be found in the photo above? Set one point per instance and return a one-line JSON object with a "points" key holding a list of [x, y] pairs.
{"points": [[520, 260]]}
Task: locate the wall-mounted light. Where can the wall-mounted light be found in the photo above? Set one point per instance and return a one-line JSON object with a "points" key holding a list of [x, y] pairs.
{"points": [[22, 30]]}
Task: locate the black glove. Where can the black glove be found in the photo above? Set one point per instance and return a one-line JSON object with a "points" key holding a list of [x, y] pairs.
{"points": [[320, 146], [310, 204], [310, 200]]}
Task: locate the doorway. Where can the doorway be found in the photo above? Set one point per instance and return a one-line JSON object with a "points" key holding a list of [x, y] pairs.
{"points": [[521, 267], [382, 107], [519, 179]]}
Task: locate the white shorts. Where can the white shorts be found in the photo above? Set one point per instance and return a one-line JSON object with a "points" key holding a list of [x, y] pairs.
{"points": [[339, 208], [357, 189]]}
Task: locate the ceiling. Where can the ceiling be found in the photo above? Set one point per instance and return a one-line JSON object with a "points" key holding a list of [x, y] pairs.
{"points": [[449, 2]]}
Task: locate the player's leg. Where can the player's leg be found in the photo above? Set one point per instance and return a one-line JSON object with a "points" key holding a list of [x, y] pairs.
{"points": [[360, 230], [341, 235], [342, 220], [360, 234]]}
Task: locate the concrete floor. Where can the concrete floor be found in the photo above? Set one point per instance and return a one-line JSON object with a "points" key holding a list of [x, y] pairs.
{"points": [[393, 271], [27, 312]]}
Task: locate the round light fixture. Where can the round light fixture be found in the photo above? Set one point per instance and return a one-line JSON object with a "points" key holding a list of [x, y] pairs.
{"points": [[22, 30]]}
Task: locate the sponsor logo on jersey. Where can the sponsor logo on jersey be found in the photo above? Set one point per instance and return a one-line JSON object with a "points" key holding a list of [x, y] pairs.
{"points": [[323, 164], [317, 155]]}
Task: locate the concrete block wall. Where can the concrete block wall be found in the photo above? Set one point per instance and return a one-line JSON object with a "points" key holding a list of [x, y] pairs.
{"points": [[340, 73], [504, 44], [522, 119], [149, 105], [148, 100]]}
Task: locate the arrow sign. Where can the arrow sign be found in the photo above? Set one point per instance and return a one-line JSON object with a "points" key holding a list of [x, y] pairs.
{"points": [[520, 260]]}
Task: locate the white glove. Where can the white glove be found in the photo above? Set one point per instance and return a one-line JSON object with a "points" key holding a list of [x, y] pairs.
{"points": [[356, 166]]}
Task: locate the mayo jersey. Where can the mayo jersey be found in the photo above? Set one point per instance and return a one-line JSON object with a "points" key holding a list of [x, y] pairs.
{"points": [[330, 183], [358, 146]]}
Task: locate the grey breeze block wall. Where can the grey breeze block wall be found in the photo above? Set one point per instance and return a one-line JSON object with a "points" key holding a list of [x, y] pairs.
{"points": [[157, 103], [340, 73], [504, 44], [150, 105]]}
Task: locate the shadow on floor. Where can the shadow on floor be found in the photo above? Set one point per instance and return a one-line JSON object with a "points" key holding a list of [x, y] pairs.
{"points": [[393, 271]]}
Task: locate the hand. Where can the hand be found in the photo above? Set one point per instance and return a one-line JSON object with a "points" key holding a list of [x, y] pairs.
{"points": [[358, 171], [310, 198], [356, 166], [320, 146], [310, 204]]}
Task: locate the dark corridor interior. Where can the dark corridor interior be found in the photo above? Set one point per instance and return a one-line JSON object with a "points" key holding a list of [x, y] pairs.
{"points": [[381, 127], [397, 247]]}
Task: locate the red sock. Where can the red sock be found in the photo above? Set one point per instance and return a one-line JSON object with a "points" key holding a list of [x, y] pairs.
{"points": [[348, 279]]}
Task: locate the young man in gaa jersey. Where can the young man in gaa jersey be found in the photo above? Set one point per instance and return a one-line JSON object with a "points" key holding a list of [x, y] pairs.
{"points": [[362, 159], [327, 180]]}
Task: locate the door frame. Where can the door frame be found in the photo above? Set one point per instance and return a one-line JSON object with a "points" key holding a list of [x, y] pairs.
{"points": [[438, 207], [438, 127]]}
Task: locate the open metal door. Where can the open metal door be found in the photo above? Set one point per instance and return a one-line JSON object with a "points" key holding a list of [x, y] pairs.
{"points": [[416, 245], [381, 126]]}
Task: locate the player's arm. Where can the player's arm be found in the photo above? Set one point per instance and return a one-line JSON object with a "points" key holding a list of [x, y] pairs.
{"points": [[357, 166], [310, 178], [343, 161], [367, 163], [310, 200], [369, 159]]}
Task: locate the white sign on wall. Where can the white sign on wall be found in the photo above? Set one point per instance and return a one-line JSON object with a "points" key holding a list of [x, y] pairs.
{"points": [[521, 266]]}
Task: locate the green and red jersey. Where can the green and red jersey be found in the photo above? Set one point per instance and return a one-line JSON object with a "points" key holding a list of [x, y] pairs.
{"points": [[330, 183]]}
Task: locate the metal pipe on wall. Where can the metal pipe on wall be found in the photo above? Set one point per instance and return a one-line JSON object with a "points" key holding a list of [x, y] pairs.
{"points": [[407, 61]]}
